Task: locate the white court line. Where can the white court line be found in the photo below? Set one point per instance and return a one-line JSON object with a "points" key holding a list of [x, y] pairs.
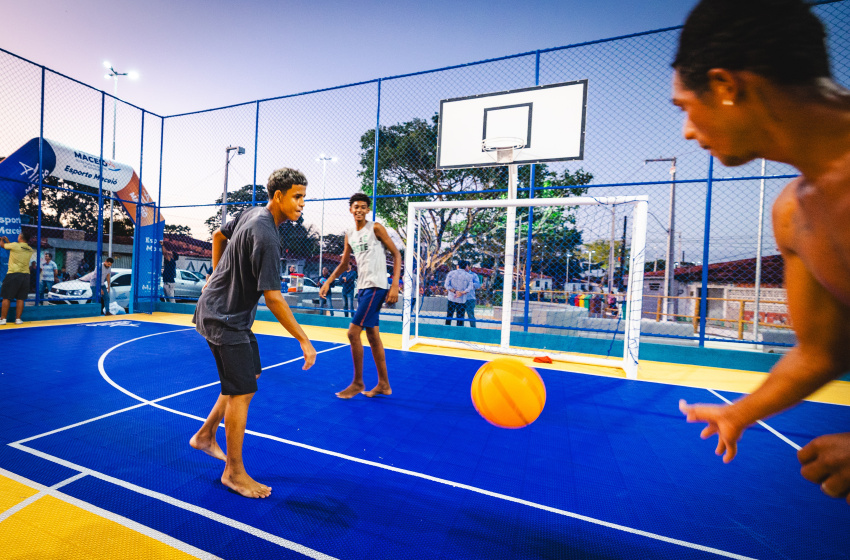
{"points": [[309, 552], [45, 492], [252, 530], [129, 523], [762, 424]]}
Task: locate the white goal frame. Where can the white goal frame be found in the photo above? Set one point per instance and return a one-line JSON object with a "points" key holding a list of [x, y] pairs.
{"points": [[634, 291]]}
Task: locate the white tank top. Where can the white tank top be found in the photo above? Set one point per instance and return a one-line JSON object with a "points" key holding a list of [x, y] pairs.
{"points": [[371, 257]]}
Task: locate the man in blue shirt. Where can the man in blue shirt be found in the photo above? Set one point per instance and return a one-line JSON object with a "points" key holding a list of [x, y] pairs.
{"points": [[326, 301], [458, 284], [349, 281]]}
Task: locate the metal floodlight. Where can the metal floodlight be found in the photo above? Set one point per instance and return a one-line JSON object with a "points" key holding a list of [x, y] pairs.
{"points": [[106, 64], [239, 151], [133, 75]]}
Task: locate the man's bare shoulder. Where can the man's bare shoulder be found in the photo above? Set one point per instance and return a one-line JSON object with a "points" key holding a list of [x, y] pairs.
{"points": [[785, 208]]}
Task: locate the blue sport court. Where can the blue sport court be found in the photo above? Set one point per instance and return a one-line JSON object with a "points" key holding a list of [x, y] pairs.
{"points": [[97, 417]]}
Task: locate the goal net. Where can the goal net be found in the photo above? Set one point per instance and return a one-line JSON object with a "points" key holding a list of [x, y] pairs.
{"points": [[556, 277]]}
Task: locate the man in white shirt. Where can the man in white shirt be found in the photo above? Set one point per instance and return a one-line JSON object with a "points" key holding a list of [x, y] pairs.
{"points": [[49, 272], [458, 284]]}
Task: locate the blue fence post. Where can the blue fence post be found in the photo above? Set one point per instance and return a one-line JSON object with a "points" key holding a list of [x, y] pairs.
{"points": [[95, 295], [137, 237], [256, 138], [377, 145], [40, 183], [530, 216], [703, 301], [157, 217]]}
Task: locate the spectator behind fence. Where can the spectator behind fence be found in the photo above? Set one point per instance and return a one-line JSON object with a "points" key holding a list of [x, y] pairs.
{"points": [[169, 273], [17, 281], [349, 281], [458, 283], [326, 301], [49, 273], [469, 305], [82, 268], [105, 284]]}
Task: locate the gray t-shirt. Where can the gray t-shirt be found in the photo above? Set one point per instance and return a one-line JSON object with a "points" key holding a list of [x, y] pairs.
{"points": [[249, 266]]}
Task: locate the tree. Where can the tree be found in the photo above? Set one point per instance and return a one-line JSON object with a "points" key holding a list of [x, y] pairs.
{"points": [[178, 230], [334, 244], [245, 195], [407, 166], [601, 249], [62, 208], [298, 242]]}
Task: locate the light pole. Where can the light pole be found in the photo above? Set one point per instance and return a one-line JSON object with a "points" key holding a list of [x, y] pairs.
{"points": [[589, 263], [668, 275], [324, 159], [239, 151], [114, 75]]}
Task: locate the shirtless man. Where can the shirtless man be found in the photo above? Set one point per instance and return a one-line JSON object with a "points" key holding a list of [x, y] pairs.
{"points": [[753, 78], [246, 265]]}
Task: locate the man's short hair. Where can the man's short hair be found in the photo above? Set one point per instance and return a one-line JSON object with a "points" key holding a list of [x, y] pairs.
{"points": [[110, 260], [283, 179], [781, 40], [359, 197], [463, 264]]}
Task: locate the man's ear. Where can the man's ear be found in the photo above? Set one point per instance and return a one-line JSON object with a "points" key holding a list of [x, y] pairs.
{"points": [[726, 87]]}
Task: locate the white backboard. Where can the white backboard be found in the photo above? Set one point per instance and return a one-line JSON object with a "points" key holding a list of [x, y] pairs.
{"points": [[549, 119]]}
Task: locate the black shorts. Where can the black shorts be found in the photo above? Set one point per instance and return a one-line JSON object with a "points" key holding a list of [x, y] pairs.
{"points": [[16, 286], [238, 366]]}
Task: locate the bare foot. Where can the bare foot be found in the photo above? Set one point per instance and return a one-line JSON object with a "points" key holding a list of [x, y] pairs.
{"points": [[208, 446], [380, 389], [350, 391], [246, 486]]}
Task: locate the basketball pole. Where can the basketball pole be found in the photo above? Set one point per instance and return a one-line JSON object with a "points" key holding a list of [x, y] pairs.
{"points": [[510, 238]]}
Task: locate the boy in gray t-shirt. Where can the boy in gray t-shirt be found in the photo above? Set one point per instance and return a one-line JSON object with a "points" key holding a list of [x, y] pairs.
{"points": [[245, 259]]}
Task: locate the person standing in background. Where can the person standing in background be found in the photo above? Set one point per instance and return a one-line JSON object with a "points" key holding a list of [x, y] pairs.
{"points": [[349, 281], [169, 273], [17, 281], [49, 273], [470, 298]]}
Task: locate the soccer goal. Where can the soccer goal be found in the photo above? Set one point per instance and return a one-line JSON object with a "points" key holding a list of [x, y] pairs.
{"points": [[543, 293]]}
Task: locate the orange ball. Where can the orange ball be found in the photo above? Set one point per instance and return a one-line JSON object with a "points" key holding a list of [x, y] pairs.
{"points": [[507, 393]]}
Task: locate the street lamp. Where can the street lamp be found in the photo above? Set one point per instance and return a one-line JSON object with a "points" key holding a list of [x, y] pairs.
{"points": [[239, 151], [668, 275], [114, 74], [324, 159], [589, 253]]}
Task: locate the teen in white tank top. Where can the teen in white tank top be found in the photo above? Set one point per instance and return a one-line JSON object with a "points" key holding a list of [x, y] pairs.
{"points": [[371, 257]]}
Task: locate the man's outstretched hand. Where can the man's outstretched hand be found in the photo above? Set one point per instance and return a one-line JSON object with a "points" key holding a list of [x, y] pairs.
{"points": [[721, 421], [826, 461]]}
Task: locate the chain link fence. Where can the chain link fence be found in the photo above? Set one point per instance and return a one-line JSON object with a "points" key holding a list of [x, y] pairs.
{"points": [[712, 276]]}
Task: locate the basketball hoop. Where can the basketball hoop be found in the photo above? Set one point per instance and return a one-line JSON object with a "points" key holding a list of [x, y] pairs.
{"points": [[502, 149]]}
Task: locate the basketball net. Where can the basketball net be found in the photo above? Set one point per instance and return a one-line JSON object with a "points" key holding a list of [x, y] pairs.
{"points": [[503, 149]]}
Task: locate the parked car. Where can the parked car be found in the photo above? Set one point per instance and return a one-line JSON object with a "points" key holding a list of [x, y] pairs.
{"points": [[187, 285], [311, 286], [79, 291]]}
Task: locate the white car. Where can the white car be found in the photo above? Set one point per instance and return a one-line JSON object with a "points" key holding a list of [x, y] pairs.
{"points": [[187, 285], [79, 291], [311, 286]]}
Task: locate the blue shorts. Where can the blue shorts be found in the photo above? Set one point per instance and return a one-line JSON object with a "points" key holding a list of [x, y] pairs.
{"points": [[369, 305]]}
